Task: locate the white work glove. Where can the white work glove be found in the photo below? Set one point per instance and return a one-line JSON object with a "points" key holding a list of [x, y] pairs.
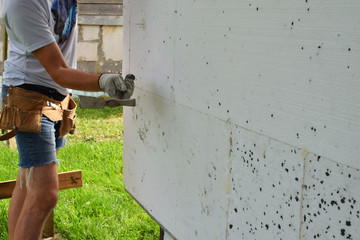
{"points": [[116, 86], [130, 85]]}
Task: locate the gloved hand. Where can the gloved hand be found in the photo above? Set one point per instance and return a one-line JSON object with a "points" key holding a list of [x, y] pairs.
{"points": [[130, 85], [116, 86]]}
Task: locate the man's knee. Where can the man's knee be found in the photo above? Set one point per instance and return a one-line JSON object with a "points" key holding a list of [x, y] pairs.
{"points": [[50, 199], [43, 201]]}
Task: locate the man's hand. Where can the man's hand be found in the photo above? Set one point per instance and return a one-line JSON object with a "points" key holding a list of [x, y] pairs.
{"points": [[130, 85], [116, 86]]}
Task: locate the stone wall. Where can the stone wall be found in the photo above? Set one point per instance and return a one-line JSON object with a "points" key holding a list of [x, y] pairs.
{"points": [[99, 38], [100, 48], [100, 35]]}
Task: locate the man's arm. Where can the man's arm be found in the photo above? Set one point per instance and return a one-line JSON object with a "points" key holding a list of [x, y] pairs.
{"points": [[53, 61]]}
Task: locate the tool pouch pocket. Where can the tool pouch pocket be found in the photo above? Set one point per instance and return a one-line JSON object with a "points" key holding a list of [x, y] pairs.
{"points": [[7, 119], [68, 120], [22, 113]]}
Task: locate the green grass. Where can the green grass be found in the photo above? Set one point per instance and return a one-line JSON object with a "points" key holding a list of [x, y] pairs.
{"points": [[101, 209]]}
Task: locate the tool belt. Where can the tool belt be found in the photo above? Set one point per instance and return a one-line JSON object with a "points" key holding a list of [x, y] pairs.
{"points": [[23, 110]]}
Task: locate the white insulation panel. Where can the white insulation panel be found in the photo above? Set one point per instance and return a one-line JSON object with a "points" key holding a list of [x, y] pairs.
{"points": [[247, 124]]}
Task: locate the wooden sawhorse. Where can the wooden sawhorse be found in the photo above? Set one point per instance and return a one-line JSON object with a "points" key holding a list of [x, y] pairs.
{"points": [[67, 180]]}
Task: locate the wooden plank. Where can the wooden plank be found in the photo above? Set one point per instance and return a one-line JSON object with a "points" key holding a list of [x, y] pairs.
{"points": [[6, 189], [11, 143], [48, 227], [101, 1], [67, 180], [161, 234], [100, 20], [100, 9]]}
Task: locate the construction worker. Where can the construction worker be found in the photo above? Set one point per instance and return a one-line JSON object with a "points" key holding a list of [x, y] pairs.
{"points": [[42, 60]]}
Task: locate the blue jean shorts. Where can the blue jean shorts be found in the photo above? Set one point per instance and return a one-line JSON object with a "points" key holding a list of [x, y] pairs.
{"points": [[37, 149]]}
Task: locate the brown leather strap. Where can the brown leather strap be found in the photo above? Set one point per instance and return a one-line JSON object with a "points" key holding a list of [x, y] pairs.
{"points": [[9, 135]]}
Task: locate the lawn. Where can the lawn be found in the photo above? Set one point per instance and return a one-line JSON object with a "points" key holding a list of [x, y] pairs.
{"points": [[101, 209]]}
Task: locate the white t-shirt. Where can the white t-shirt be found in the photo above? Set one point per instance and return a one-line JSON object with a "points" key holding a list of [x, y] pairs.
{"points": [[32, 24]]}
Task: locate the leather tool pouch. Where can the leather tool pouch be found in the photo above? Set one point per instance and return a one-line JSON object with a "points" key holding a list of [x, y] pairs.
{"points": [[23, 111], [68, 118]]}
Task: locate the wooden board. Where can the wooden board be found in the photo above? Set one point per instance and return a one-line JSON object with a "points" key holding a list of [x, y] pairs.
{"points": [[67, 180], [101, 9], [100, 20], [101, 1], [247, 123], [6, 189]]}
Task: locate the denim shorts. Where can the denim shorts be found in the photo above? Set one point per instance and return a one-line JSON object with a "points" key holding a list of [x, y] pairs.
{"points": [[36, 149]]}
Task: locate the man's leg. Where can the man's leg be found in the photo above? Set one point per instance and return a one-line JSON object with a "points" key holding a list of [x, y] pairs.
{"points": [[30, 205], [16, 204], [17, 201], [41, 198]]}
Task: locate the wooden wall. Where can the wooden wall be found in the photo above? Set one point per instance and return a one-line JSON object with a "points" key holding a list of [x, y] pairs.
{"points": [[100, 12]]}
